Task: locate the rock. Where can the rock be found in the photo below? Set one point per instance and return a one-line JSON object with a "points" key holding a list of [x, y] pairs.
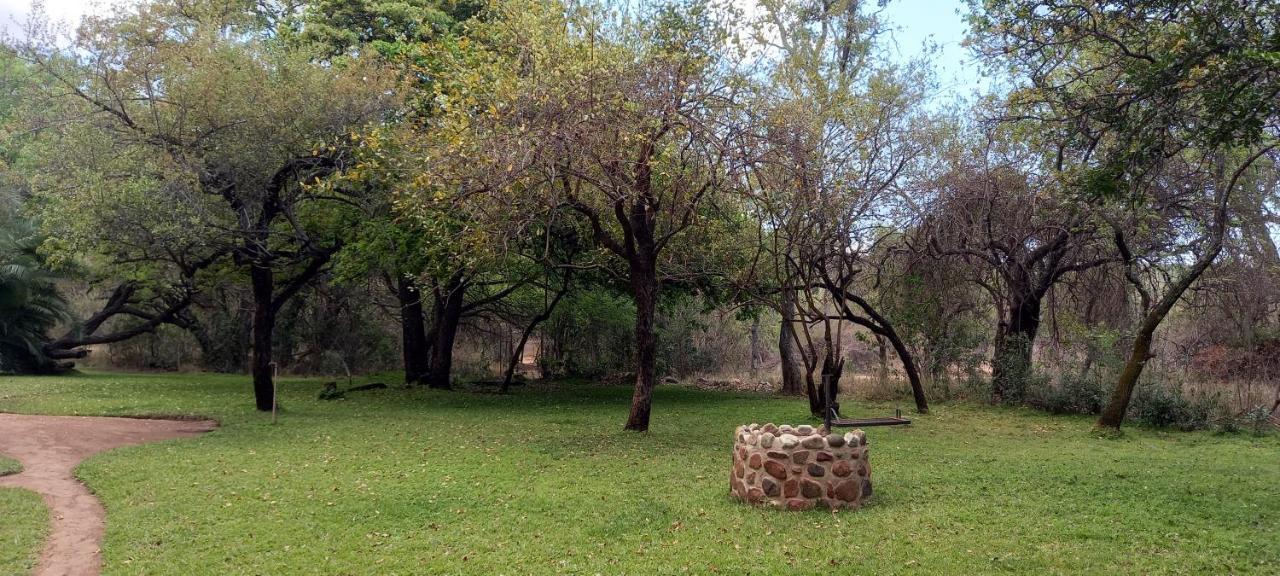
{"points": [[810, 488], [866, 487], [799, 504], [790, 488], [848, 491], [754, 494], [738, 470], [776, 455], [751, 478], [800, 457], [766, 440], [824, 457], [864, 470], [771, 488], [775, 469], [770, 428], [817, 471], [669, 380], [742, 453], [842, 469], [755, 461], [789, 441], [804, 430], [813, 442], [835, 440], [850, 439], [753, 427]]}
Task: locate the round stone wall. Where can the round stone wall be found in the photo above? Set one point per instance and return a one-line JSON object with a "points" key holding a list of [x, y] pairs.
{"points": [[799, 467]]}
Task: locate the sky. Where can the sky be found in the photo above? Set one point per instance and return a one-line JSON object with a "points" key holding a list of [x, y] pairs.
{"points": [[915, 23]]}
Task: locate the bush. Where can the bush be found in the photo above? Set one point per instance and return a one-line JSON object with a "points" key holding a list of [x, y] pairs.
{"points": [[1168, 406], [1073, 395]]}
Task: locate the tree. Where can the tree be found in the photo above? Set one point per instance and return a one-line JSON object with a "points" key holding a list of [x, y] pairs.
{"points": [[619, 119], [194, 122], [837, 134], [1021, 237], [30, 304], [1140, 102]]}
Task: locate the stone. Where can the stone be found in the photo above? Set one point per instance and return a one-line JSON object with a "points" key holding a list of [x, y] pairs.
{"points": [[755, 462], [755, 494], [786, 429], [866, 487], [864, 470], [810, 488], [777, 455], [856, 454], [771, 488], [799, 504], [742, 453], [775, 469], [751, 477], [804, 430], [738, 471], [766, 440], [800, 457], [848, 491], [770, 428], [790, 488], [850, 439], [789, 441], [817, 471], [824, 457], [835, 440], [842, 469], [813, 442], [753, 426]]}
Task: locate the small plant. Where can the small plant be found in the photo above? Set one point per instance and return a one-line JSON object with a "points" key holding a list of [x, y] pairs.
{"points": [[1257, 420]]}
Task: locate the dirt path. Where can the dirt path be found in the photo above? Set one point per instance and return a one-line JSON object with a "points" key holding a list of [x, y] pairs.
{"points": [[49, 448]]}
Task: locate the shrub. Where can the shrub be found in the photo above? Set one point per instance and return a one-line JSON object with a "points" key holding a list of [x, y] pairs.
{"points": [[1168, 406], [1073, 395]]}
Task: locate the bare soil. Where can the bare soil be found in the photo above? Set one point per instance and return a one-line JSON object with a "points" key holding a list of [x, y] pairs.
{"points": [[49, 448]]}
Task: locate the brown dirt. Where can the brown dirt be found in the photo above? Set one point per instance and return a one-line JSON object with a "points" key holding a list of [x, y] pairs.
{"points": [[49, 448]]}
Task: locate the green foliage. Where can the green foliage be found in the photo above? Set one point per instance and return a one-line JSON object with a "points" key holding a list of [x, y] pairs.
{"points": [[1169, 406], [406, 481], [30, 304], [1074, 394]]}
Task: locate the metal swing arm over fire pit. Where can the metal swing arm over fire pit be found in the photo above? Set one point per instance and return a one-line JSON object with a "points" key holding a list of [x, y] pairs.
{"points": [[831, 413]]}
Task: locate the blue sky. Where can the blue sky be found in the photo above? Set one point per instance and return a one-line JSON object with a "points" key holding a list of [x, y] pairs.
{"points": [[940, 22]]}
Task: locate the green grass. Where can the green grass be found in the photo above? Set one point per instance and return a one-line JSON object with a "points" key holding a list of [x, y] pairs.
{"points": [[545, 482], [9, 466], [24, 521]]}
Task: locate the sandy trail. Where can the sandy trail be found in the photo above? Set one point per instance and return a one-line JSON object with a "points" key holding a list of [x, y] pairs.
{"points": [[49, 448]]}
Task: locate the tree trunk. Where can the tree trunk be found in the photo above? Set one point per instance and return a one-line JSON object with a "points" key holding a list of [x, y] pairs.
{"points": [[264, 323], [908, 366], [413, 331], [754, 363], [644, 288], [524, 337], [1011, 361], [1113, 414], [448, 317], [791, 385], [883, 352]]}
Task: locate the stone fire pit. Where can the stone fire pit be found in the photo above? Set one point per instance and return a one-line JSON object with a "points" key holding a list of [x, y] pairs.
{"points": [[799, 468]]}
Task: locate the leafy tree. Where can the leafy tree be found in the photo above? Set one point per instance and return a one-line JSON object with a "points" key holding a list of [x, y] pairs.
{"points": [[1148, 104], [619, 119], [30, 304], [188, 129]]}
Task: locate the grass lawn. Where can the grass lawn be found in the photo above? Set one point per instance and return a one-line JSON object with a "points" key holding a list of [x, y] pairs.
{"points": [[9, 466], [545, 482]]}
